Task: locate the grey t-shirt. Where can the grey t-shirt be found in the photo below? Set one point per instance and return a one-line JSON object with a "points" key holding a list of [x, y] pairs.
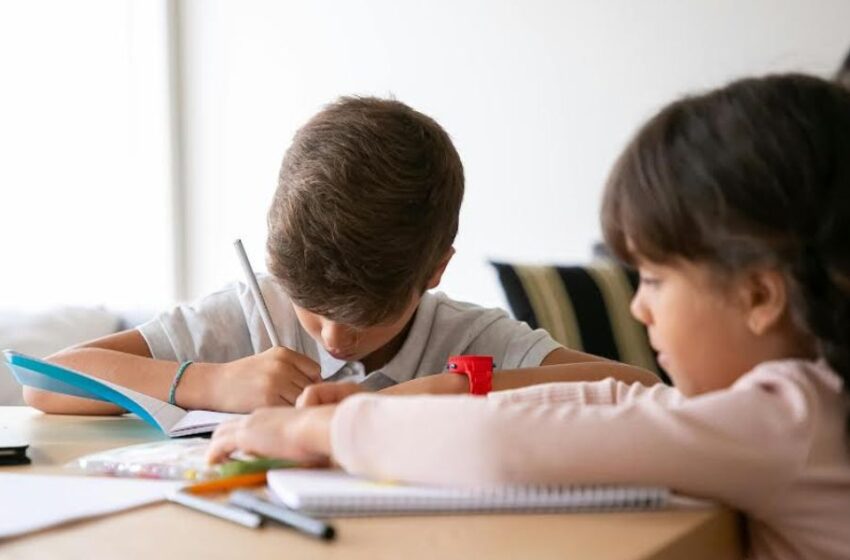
{"points": [[226, 325]]}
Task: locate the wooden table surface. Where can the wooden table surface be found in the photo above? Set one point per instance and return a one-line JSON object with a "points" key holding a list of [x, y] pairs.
{"points": [[165, 530]]}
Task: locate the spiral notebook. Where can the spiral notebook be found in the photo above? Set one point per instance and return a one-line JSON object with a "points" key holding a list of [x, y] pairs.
{"points": [[336, 494]]}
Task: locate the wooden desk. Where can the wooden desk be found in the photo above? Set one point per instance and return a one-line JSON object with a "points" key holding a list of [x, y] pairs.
{"points": [[166, 530]]}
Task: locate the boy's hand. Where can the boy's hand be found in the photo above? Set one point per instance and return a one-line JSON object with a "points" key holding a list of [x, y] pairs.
{"points": [[326, 393], [274, 377], [279, 432]]}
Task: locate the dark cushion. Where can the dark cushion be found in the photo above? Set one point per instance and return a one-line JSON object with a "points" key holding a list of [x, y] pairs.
{"points": [[583, 307]]}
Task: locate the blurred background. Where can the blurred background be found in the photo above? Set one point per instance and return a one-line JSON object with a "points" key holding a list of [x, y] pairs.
{"points": [[140, 137]]}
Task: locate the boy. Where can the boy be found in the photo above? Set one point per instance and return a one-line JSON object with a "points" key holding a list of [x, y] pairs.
{"points": [[361, 226]]}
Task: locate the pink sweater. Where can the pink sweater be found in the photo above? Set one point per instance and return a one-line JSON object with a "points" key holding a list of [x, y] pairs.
{"points": [[773, 445]]}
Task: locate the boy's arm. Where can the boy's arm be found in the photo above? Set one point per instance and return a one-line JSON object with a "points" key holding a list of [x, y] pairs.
{"points": [[563, 364], [274, 377], [102, 358], [122, 358], [560, 365]]}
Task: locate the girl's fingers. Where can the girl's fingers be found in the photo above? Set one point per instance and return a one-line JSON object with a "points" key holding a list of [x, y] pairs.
{"points": [[221, 447]]}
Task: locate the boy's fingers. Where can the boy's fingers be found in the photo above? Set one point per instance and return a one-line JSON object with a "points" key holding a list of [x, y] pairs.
{"points": [[301, 381], [311, 369], [290, 392], [304, 364], [311, 396], [326, 393]]}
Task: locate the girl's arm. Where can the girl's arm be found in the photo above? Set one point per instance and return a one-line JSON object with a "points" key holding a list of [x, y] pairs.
{"points": [[737, 445], [740, 445]]}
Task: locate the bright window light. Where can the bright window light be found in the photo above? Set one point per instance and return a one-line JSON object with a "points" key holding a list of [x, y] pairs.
{"points": [[85, 138]]}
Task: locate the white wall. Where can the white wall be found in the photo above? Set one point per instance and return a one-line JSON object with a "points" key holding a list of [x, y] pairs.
{"points": [[538, 95], [84, 154]]}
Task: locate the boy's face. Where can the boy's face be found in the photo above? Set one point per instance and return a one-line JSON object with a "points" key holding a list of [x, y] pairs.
{"points": [[375, 345], [355, 344]]}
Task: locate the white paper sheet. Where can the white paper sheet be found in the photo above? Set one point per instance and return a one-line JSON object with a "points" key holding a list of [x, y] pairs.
{"points": [[30, 502]]}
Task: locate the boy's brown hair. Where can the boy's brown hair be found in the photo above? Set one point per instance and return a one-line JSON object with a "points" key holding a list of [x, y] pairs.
{"points": [[365, 210]]}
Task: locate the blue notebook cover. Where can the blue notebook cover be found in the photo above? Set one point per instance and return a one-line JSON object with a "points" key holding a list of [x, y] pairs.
{"points": [[171, 419]]}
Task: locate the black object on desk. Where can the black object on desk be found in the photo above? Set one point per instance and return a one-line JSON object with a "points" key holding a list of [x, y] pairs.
{"points": [[13, 454], [283, 515]]}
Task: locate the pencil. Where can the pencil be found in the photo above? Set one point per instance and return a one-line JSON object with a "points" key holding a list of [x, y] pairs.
{"points": [[255, 289], [229, 483], [222, 511]]}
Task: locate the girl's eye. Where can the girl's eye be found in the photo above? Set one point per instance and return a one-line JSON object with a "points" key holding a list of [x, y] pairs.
{"points": [[649, 281]]}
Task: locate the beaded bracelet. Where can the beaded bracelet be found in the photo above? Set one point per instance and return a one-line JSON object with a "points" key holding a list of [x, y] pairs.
{"points": [[177, 377]]}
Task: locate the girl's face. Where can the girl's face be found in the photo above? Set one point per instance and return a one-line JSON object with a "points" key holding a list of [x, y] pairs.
{"points": [[698, 327]]}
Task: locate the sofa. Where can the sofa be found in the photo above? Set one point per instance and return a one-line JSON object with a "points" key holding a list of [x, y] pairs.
{"points": [[46, 331]]}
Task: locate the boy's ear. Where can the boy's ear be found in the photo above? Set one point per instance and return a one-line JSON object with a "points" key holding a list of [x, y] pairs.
{"points": [[441, 268], [765, 298]]}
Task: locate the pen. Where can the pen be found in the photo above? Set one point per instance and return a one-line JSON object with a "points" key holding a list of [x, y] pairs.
{"points": [[222, 511], [283, 515], [229, 483], [260, 464], [255, 289]]}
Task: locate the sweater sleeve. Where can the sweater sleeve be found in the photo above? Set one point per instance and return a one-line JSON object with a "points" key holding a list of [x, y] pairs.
{"points": [[738, 445]]}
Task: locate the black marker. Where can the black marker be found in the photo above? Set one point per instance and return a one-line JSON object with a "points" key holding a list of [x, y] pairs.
{"points": [[283, 515]]}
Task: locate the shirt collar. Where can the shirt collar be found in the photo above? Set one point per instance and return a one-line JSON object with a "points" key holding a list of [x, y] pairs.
{"points": [[404, 365], [330, 365]]}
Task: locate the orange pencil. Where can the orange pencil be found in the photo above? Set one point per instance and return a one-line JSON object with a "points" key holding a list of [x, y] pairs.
{"points": [[222, 484]]}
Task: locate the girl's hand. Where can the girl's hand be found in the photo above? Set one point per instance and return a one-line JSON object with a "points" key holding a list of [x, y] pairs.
{"points": [[326, 393], [272, 378], [280, 433]]}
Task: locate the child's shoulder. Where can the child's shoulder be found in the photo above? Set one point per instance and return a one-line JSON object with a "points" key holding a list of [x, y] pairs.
{"points": [[806, 385], [274, 295], [798, 372], [447, 309]]}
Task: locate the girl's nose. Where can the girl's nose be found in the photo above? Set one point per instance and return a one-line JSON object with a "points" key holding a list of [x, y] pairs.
{"points": [[639, 309]]}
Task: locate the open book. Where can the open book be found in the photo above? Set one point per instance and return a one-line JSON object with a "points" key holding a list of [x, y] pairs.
{"points": [[172, 420], [334, 493]]}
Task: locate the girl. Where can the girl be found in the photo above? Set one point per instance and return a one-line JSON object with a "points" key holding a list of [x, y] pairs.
{"points": [[735, 208]]}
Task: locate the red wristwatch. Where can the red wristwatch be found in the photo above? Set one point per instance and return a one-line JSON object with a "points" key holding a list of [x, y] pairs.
{"points": [[479, 370]]}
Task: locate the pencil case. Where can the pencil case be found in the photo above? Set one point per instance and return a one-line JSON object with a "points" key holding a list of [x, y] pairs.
{"points": [[176, 459]]}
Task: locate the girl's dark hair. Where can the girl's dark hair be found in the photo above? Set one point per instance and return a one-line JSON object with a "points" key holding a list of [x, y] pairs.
{"points": [[755, 173]]}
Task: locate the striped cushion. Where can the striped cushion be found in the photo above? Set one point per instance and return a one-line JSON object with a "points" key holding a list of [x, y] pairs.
{"points": [[584, 308]]}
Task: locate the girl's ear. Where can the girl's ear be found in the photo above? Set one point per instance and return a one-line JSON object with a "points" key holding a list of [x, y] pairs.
{"points": [[441, 268], [765, 299]]}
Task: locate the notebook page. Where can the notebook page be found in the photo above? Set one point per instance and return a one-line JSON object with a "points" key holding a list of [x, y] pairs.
{"points": [[200, 421]]}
